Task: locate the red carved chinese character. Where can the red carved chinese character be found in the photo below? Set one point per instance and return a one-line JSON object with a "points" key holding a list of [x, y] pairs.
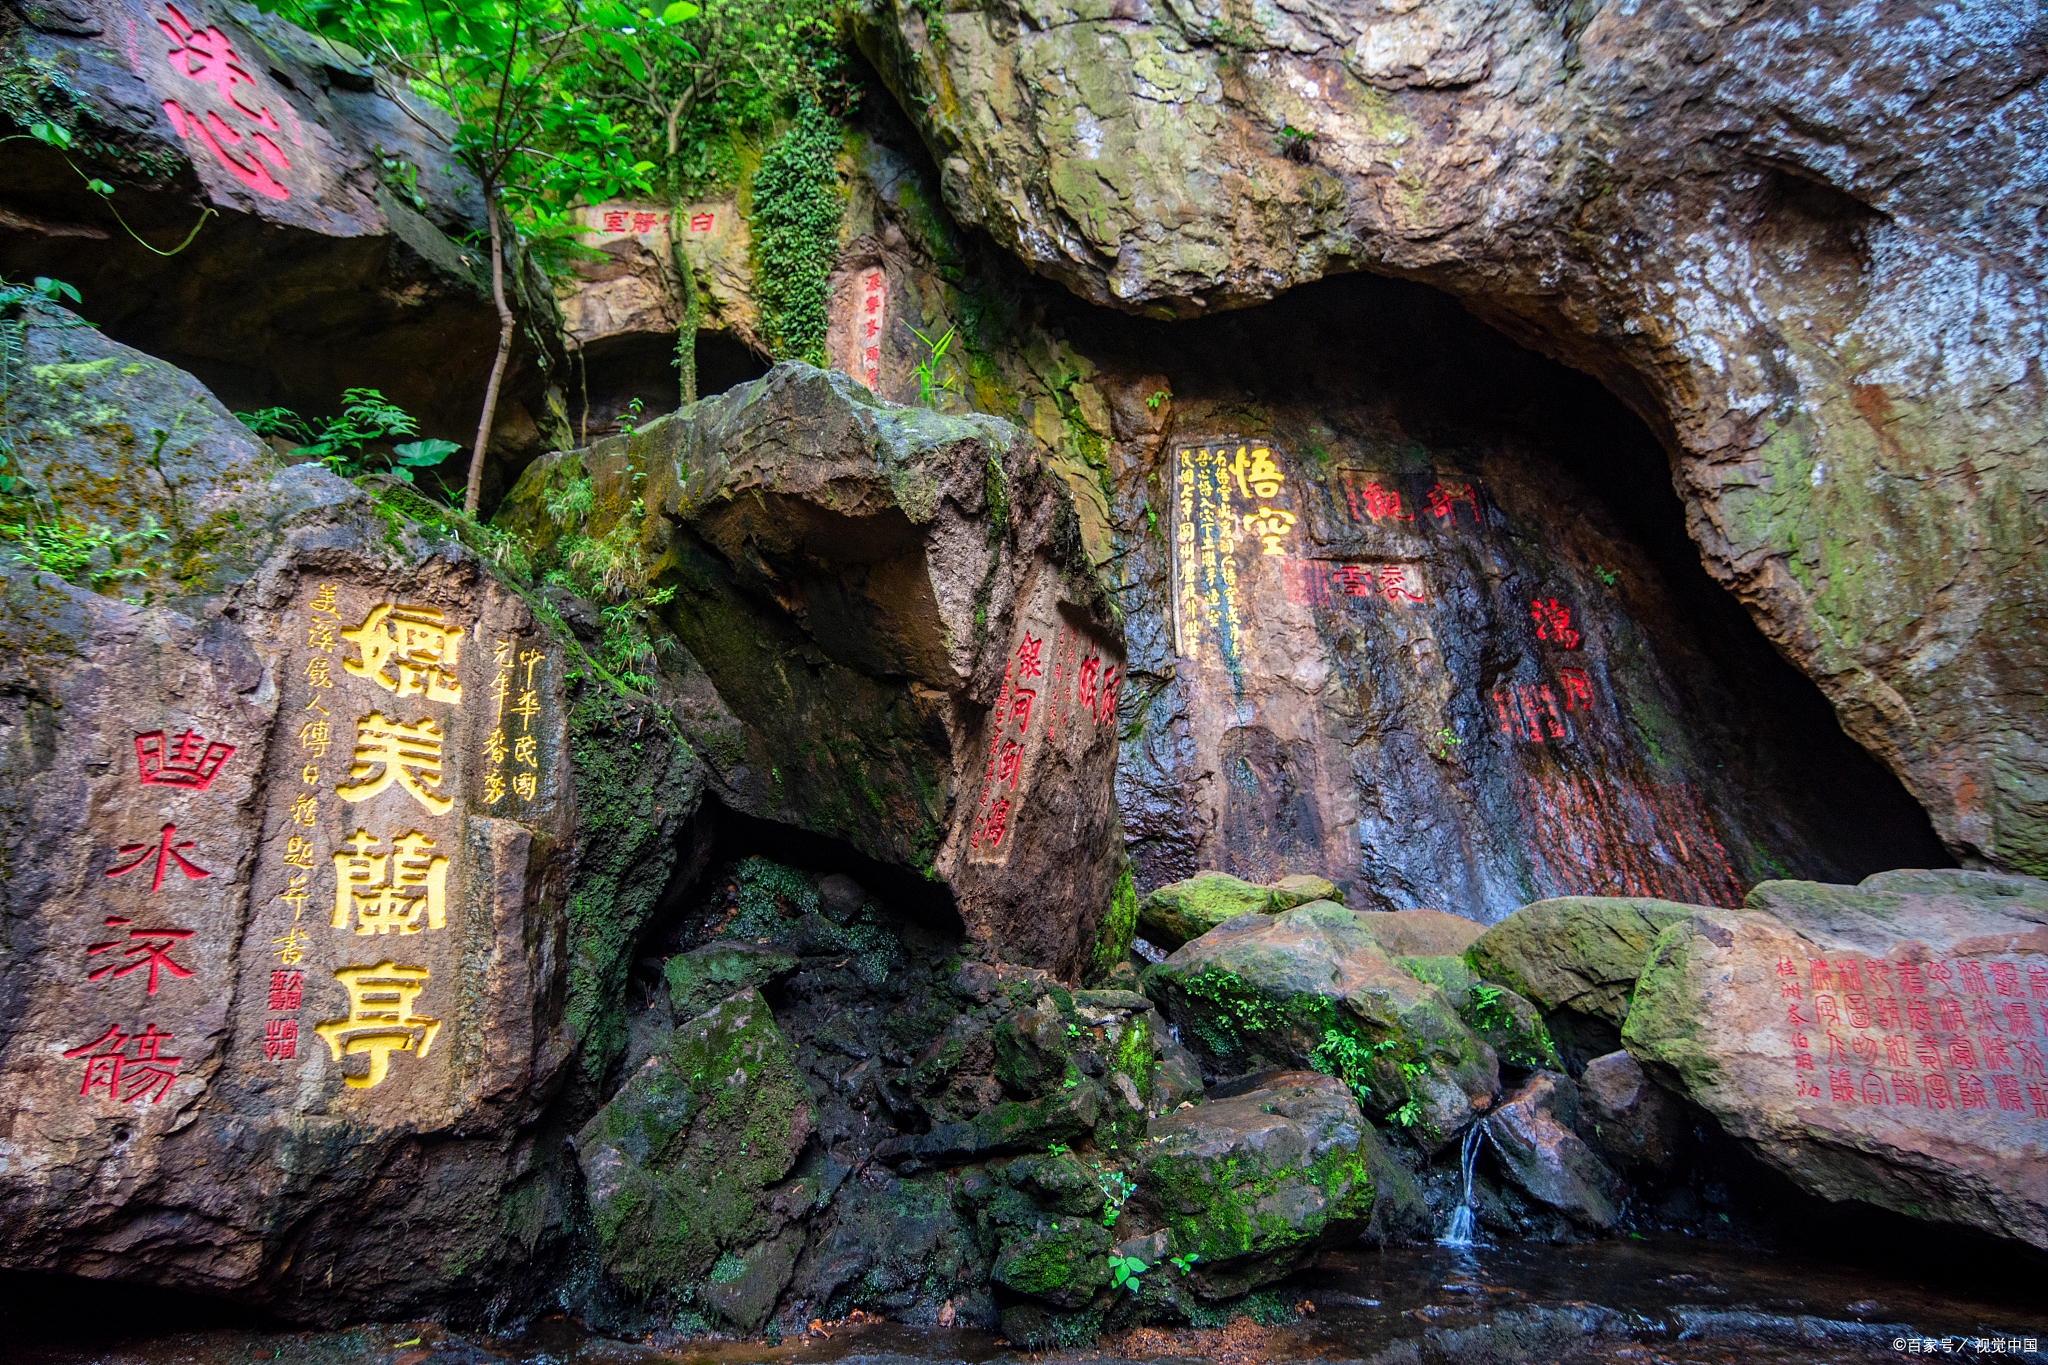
{"points": [[1973, 979], [2017, 1021], [2008, 1088], [1847, 975], [1909, 977], [1864, 1047], [1786, 968], [2037, 982], [998, 821], [2005, 978], [700, 222], [191, 762], [615, 220], [871, 330], [1825, 1007], [1935, 1086], [206, 55], [1952, 1015], [1007, 765], [1807, 1089], [1873, 1089], [1028, 665], [166, 852], [1995, 1053], [874, 303], [280, 1039], [1382, 504], [1926, 1052], [1554, 623], [1895, 1052], [285, 989], [2030, 1059], [211, 131], [1888, 1013], [1817, 973], [1788, 990], [1903, 1089], [1084, 686], [150, 947], [1802, 1061], [1961, 1054], [2039, 1095], [1971, 1091], [1020, 708], [1880, 973], [1578, 688], [1859, 1011], [872, 356], [643, 222], [1444, 498], [1106, 709], [1841, 1087], [1942, 972], [1919, 1015], [127, 1078], [1394, 579]]}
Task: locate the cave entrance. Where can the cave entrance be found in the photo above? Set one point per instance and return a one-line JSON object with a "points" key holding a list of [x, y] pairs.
{"points": [[1451, 580], [614, 372]]}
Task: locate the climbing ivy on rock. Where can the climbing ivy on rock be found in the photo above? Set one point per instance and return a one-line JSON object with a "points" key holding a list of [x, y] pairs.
{"points": [[797, 205]]}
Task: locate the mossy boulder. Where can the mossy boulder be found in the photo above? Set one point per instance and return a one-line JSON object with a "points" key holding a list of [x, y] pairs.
{"points": [[1254, 1184], [1063, 1261], [1511, 1026], [1300, 889], [1578, 953], [699, 979], [1421, 933], [1309, 988], [1185, 910], [677, 1161]]}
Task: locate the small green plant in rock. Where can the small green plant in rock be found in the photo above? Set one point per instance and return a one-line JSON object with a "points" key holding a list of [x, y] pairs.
{"points": [[337, 442], [1125, 1270], [1443, 745], [1117, 1189], [1295, 143], [929, 386], [1183, 1263], [1158, 396], [70, 549]]}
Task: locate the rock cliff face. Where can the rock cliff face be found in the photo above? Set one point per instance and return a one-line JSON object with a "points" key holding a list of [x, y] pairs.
{"points": [[1818, 285], [896, 608], [335, 257]]}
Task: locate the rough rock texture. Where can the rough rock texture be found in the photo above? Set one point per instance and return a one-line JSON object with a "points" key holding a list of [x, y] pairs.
{"points": [[1309, 988], [1625, 1115], [679, 1163], [1421, 933], [334, 259], [1881, 1043], [1257, 1182], [282, 997], [1818, 286], [1577, 953], [1532, 1133], [1506, 1022], [896, 608]]}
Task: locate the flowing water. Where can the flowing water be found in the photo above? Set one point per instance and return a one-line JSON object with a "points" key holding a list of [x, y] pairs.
{"points": [[1629, 1301], [1464, 1226]]}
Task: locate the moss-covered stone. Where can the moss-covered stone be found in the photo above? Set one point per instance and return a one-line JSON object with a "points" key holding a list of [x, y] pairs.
{"points": [[1579, 953], [1119, 926], [1185, 910], [1063, 1262], [677, 1161], [699, 979], [1510, 1025]]}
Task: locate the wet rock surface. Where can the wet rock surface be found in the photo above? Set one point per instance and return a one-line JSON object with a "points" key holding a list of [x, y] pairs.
{"points": [[1532, 1130], [895, 607], [1880, 1043], [1534, 166]]}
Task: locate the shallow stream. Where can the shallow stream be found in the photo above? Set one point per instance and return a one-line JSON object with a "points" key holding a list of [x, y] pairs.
{"points": [[1636, 1300]]}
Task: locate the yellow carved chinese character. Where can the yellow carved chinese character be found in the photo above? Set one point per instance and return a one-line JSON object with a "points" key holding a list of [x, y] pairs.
{"points": [[390, 751], [299, 852], [304, 808], [501, 653], [523, 783], [295, 894], [527, 750], [393, 891], [528, 708], [494, 747], [416, 641], [320, 635], [527, 659], [319, 671], [324, 599], [1256, 474], [1270, 526], [494, 788], [501, 688], [310, 775], [380, 1019], [290, 946], [313, 737]]}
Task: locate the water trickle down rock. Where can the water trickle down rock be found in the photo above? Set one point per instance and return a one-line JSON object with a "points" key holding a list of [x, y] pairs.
{"points": [[1882, 1043]]}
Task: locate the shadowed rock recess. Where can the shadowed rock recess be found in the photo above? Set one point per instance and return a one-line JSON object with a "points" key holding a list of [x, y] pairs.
{"points": [[1418, 673]]}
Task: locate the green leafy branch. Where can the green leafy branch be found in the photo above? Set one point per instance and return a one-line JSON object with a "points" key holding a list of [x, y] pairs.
{"points": [[58, 139]]}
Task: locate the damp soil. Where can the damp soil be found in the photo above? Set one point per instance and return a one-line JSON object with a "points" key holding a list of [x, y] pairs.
{"points": [[1637, 1300]]}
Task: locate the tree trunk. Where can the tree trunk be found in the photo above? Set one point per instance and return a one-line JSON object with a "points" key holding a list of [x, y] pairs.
{"points": [[686, 330], [483, 428]]}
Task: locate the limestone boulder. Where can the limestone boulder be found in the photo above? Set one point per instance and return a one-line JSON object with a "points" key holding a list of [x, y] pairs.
{"points": [[1627, 1116], [1532, 1132], [1256, 1182], [1533, 165], [1576, 953], [1421, 933], [1309, 988], [1881, 1043], [1183, 910], [339, 251], [678, 1161], [896, 607], [1506, 1022]]}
